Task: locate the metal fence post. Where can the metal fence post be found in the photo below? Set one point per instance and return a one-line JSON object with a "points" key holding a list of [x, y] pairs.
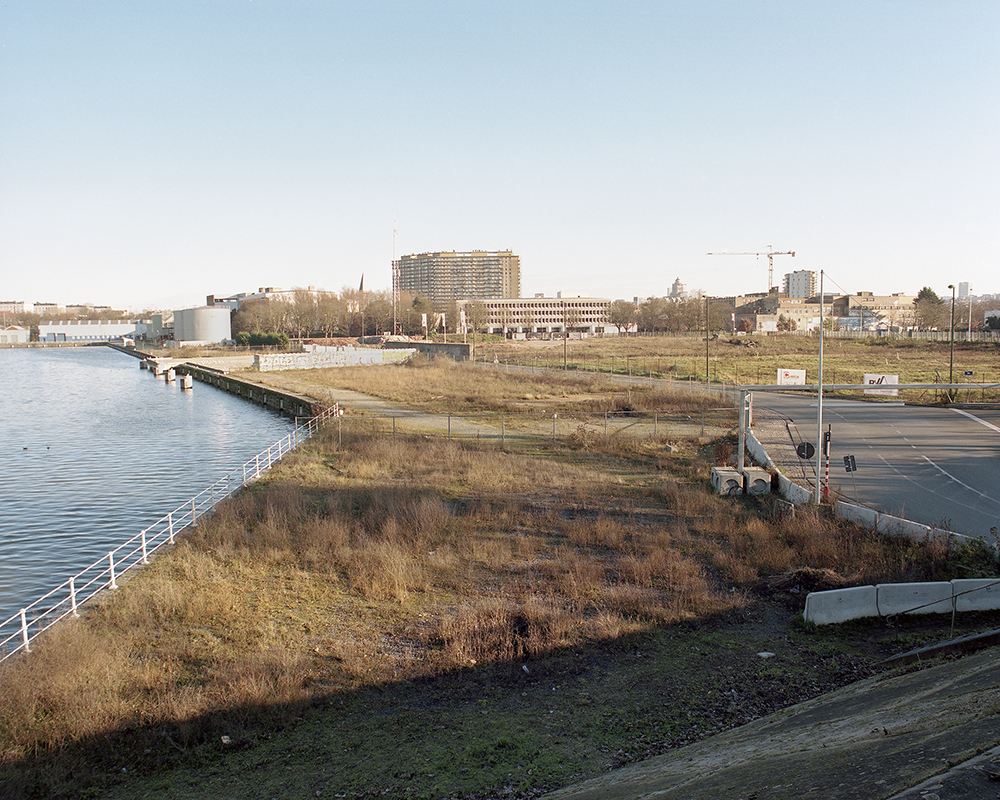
{"points": [[111, 563], [145, 556], [24, 631], [72, 595], [170, 526], [194, 512]]}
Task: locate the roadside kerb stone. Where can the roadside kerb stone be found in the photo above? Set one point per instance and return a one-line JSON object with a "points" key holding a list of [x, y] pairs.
{"points": [[866, 517], [897, 526]]}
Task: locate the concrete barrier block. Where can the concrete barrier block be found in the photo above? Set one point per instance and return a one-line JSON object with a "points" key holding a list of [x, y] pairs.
{"points": [[914, 598], [727, 481], [757, 451], [897, 526], [758, 481], [976, 594], [859, 515], [840, 605], [792, 492]]}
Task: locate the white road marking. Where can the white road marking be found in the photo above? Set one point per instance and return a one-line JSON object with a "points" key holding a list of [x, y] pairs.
{"points": [[976, 419], [956, 480]]}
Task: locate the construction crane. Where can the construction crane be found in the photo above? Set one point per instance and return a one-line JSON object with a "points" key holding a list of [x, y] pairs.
{"points": [[770, 261]]}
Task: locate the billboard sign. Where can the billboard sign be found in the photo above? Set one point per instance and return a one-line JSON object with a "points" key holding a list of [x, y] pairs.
{"points": [[876, 379], [791, 377]]}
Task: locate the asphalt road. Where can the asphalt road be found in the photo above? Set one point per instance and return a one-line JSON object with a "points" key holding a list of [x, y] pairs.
{"points": [[936, 466]]}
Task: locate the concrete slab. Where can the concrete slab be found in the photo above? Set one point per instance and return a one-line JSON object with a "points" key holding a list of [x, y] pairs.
{"points": [[874, 739]]}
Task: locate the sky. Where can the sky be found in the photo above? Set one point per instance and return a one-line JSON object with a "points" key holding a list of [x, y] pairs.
{"points": [[155, 152]]}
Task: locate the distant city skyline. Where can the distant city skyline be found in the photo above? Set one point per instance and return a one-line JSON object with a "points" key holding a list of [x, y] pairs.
{"points": [[199, 300], [154, 153]]}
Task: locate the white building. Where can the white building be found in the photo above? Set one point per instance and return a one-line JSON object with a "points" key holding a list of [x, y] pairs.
{"points": [[14, 334], [86, 330], [801, 283], [540, 314]]}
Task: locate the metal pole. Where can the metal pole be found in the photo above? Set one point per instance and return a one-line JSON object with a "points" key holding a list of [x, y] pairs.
{"points": [[565, 334], [707, 380], [819, 401], [72, 595], [24, 631], [743, 431], [951, 366]]}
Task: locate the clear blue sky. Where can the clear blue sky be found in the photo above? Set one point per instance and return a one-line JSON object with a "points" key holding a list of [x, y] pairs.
{"points": [[155, 152]]}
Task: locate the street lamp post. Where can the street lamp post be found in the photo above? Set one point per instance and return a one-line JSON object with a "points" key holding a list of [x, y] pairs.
{"points": [[565, 334], [707, 378], [951, 366]]}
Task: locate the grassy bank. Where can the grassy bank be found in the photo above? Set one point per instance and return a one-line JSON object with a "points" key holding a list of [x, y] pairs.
{"points": [[419, 618], [445, 386]]}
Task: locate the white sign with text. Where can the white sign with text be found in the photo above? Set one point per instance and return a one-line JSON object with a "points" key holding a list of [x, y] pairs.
{"points": [[791, 377], [877, 379]]}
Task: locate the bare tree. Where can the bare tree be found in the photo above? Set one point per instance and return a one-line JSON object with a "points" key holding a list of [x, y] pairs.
{"points": [[623, 315]]}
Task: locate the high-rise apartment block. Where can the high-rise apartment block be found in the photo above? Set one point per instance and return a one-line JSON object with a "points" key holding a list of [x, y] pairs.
{"points": [[443, 277], [801, 283]]}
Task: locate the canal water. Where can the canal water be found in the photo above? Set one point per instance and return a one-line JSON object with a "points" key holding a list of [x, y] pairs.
{"points": [[93, 449]]}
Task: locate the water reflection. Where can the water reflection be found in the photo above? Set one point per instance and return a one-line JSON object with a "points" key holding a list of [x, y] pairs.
{"points": [[92, 449]]}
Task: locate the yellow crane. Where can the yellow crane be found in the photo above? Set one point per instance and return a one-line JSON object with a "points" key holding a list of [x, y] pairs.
{"points": [[770, 260]]}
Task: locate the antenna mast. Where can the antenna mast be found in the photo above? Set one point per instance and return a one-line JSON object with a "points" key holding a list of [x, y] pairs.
{"points": [[395, 281]]}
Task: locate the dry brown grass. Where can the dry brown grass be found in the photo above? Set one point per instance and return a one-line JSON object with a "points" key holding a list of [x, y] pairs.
{"points": [[399, 559], [443, 385], [845, 360]]}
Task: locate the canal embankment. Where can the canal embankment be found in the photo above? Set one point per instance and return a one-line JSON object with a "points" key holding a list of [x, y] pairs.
{"points": [[217, 371]]}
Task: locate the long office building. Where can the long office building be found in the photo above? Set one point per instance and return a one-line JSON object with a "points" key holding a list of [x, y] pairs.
{"points": [[444, 277]]}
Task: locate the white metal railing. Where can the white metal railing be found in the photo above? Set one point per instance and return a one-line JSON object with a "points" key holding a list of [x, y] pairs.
{"points": [[19, 631]]}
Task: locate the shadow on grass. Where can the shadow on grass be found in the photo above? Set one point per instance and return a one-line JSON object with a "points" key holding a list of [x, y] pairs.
{"points": [[512, 729]]}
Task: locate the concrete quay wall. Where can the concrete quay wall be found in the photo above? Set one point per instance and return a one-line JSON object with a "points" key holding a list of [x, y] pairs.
{"points": [[283, 402], [330, 357], [456, 350]]}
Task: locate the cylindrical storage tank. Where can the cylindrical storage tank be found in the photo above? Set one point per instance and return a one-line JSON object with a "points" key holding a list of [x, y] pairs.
{"points": [[203, 324]]}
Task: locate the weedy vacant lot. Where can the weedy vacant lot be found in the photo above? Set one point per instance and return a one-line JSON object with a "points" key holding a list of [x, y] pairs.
{"points": [[757, 359], [422, 618]]}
